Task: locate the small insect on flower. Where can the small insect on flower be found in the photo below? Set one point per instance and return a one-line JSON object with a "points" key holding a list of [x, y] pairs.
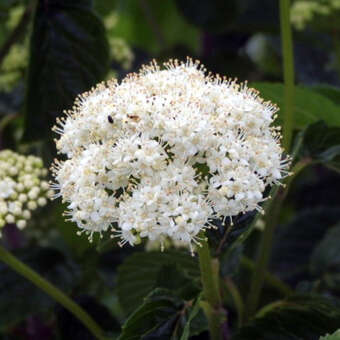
{"points": [[133, 117], [187, 148]]}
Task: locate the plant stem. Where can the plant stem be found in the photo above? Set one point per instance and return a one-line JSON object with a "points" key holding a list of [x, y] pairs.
{"points": [[52, 291], [236, 296], [288, 69], [210, 282], [263, 257], [269, 278], [156, 29], [274, 206], [265, 247]]}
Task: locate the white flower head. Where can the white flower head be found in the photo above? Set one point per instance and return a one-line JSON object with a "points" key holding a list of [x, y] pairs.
{"points": [[22, 187], [164, 152]]}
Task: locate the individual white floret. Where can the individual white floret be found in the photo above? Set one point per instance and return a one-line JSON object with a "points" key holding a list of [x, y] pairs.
{"points": [[26, 214], [9, 218], [32, 205], [22, 198], [42, 201], [21, 224]]}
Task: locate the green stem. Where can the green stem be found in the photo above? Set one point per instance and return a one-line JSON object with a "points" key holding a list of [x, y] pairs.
{"points": [[269, 278], [236, 296], [52, 291], [210, 282], [214, 322], [262, 258], [210, 288], [274, 206], [288, 68], [265, 246], [267, 308]]}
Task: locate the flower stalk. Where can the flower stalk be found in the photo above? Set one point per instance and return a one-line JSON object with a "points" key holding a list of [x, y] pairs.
{"points": [[288, 72], [274, 206], [264, 251], [212, 306], [263, 256], [269, 278], [53, 292]]}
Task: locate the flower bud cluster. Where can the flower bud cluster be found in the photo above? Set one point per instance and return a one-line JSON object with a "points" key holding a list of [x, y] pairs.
{"points": [[22, 188], [165, 152], [120, 51], [16, 60]]}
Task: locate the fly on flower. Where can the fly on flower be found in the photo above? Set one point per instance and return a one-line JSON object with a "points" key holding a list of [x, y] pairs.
{"points": [[110, 119], [144, 178]]}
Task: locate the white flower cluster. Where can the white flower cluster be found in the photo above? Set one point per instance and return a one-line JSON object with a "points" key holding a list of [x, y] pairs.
{"points": [[119, 48], [16, 60], [121, 52], [304, 11], [166, 151], [22, 188]]}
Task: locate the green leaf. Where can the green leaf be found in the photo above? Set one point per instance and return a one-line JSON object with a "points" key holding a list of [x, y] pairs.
{"points": [[334, 336], [20, 298], [310, 106], [295, 241], [154, 25], [79, 244], [192, 315], [298, 318], [68, 55], [321, 143], [143, 272], [325, 262], [331, 92], [326, 256], [161, 316]]}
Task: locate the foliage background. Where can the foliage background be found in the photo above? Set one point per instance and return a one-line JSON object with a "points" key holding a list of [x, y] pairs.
{"points": [[52, 50]]}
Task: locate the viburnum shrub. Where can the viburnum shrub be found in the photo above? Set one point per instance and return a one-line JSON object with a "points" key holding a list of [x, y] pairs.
{"points": [[171, 156], [165, 152]]}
